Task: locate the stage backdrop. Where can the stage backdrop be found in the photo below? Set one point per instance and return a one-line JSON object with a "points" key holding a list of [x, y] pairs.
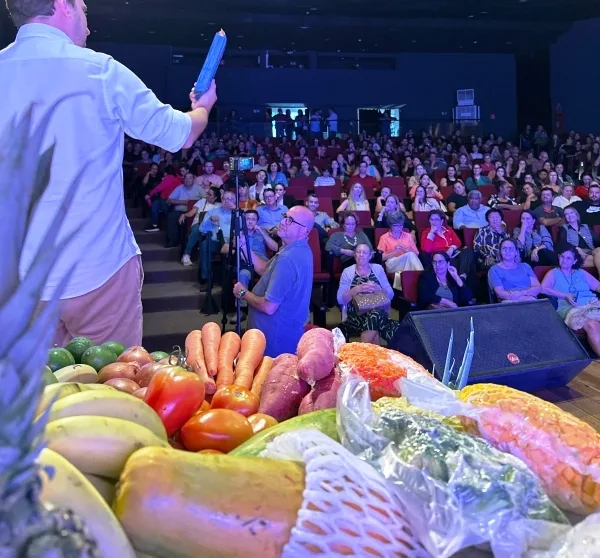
{"points": [[426, 83]]}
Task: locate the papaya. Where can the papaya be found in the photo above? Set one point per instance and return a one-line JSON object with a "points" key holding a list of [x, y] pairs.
{"points": [[176, 504], [323, 421]]}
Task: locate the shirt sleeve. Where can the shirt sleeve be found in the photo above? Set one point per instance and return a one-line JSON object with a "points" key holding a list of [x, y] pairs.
{"points": [[334, 244], [207, 225], [177, 193], [494, 278], [345, 282], [142, 115], [282, 281], [457, 221]]}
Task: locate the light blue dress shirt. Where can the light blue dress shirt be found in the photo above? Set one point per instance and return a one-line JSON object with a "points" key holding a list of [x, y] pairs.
{"points": [[95, 100]]}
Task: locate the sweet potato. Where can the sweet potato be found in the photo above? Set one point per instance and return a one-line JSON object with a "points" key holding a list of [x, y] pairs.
{"points": [[283, 390], [315, 355], [322, 396]]}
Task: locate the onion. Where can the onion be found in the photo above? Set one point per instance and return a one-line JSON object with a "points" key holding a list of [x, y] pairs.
{"points": [[140, 393], [146, 372], [136, 354], [123, 384], [126, 370]]}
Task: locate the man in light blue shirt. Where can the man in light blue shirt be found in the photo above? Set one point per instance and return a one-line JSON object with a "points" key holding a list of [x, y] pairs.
{"points": [[472, 215], [178, 205], [215, 220], [95, 100], [270, 214]]}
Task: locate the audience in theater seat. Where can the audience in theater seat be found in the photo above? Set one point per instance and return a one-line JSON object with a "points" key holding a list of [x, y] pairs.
{"points": [[438, 237], [501, 199], [211, 201], [566, 197], [580, 236], [275, 176], [478, 179], [529, 197], [283, 198], [534, 241], [208, 178], [363, 177], [487, 240], [458, 197], [178, 200], [430, 188], [261, 164], [244, 199], [589, 208], [415, 180], [356, 201], [577, 294], [343, 243], [325, 179], [441, 286], [270, 214], [399, 250], [365, 277], [158, 196], [510, 279], [256, 191], [392, 204], [424, 203], [546, 213], [451, 177], [472, 215]]}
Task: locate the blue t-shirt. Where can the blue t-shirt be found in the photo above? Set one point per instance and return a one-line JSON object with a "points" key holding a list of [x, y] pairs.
{"points": [[516, 279], [269, 218], [288, 281]]}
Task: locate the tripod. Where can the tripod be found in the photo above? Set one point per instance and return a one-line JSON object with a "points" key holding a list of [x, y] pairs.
{"points": [[238, 224]]}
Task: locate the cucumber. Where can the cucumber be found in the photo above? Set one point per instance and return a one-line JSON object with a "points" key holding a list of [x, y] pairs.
{"points": [[323, 421]]}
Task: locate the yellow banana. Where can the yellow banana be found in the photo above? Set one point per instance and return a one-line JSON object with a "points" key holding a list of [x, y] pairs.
{"points": [[99, 445], [105, 487], [55, 392], [109, 403], [65, 487]]}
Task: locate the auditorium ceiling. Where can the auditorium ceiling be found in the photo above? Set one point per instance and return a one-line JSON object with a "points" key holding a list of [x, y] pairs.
{"points": [[382, 26]]}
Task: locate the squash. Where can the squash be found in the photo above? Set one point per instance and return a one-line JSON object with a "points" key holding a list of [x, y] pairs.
{"points": [[173, 504]]}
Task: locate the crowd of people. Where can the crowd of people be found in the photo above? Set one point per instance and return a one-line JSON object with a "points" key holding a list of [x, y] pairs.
{"points": [[474, 215]]}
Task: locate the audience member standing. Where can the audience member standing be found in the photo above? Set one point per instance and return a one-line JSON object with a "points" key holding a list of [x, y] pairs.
{"points": [[96, 100]]}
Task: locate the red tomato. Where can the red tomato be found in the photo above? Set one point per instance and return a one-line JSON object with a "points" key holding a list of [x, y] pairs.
{"points": [[260, 421], [217, 429], [203, 408], [175, 394], [236, 398]]}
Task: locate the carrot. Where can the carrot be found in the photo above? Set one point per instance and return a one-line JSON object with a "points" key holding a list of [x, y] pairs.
{"points": [[194, 356], [251, 353], [211, 339], [261, 375], [194, 353], [228, 350]]}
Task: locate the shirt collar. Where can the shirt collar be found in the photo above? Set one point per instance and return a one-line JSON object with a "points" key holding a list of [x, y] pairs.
{"points": [[41, 30], [291, 246]]}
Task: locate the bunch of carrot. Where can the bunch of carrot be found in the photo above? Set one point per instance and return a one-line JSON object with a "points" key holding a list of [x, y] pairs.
{"points": [[223, 360]]}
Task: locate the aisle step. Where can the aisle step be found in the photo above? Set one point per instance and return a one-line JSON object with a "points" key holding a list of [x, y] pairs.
{"points": [[154, 252], [144, 237], [138, 224], [165, 272], [176, 295], [133, 212]]}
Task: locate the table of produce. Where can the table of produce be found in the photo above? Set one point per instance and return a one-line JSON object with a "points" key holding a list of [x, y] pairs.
{"points": [[343, 449]]}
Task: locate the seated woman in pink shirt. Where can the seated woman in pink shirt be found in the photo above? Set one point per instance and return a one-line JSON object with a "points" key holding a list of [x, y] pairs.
{"points": [[399, 250]]}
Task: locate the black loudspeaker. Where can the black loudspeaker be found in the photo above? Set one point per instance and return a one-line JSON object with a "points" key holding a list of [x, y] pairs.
{"points": [[525, 345]]}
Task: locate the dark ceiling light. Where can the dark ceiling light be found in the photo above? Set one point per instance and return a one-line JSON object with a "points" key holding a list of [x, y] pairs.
{"points": [[304, 27], [483, 13], [471, 16], [475, 42]]}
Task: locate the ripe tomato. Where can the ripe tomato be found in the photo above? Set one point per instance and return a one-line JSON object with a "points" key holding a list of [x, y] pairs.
{"points": [[175, 394], [260, 422], [217, 429], [203, 408], [236, 398]]}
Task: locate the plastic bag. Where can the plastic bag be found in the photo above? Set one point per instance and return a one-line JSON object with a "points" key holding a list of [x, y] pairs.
{"points": [[460, 491], [562, 450], [348, 508], [582, 541]]}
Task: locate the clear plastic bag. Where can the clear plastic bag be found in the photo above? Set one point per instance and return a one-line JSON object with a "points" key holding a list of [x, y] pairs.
{"points": [[562, 450], [459, 490], [348, 508]]}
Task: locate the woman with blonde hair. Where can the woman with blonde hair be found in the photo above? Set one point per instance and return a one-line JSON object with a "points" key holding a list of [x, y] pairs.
{"points": [[356, 201]]}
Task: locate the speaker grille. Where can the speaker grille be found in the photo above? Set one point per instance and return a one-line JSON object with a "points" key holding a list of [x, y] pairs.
{"points": [[532, 331]]}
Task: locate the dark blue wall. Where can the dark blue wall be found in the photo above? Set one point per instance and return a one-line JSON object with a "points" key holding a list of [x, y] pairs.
{"points": [[575, 80], [426, 83]]}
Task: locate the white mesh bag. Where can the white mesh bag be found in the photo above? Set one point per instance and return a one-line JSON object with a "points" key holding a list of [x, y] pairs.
{"points": [[348, 509]]}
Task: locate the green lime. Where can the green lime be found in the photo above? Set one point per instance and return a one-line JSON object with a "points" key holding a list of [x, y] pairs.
{"points": [[159, 355], [48, 377], [98, 357], [114, 346], [59, 358], [77, 346]]}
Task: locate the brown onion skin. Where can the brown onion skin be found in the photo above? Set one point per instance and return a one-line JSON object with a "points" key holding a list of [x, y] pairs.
{"points": [[140, 393], [118, 370], [135, 354], [146, 372], [123, 384]]}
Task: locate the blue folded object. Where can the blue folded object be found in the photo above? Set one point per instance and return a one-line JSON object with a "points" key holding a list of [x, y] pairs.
{"points": [[211, 64]]}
